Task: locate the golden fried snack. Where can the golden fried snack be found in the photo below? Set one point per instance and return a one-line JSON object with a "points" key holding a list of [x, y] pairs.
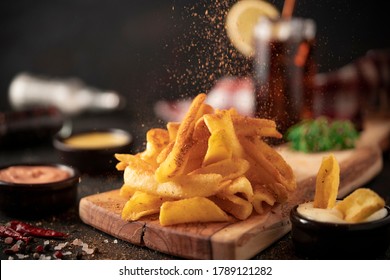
{"points": [[245, 125], [359, 205], [239, 186], [126, 191], [212, 164], [201, 131], [234, 205], [205, 109], [156, 140], [134, 162], [184, 186], [222, 120], [142, 204], [356, 207], [165, 152], [327, 183], [229, 169], [268, 166], [173, 128], [176, 159], [263, 199], [279, 191], [196, 209], [219, 147], [196, 155]]}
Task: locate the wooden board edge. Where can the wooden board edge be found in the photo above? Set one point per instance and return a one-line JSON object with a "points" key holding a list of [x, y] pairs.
{"points": [[248, 243], [179, 244], [109, 222], [371, 165], [376, 132], [146, 233]]}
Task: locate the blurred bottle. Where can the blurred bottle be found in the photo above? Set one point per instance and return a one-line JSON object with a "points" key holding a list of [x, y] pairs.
{"points": [[70, 96]]}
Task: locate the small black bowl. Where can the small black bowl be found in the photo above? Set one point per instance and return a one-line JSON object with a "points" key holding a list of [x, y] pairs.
{"points": [[92, 160], [41, 199], [323, 240]]}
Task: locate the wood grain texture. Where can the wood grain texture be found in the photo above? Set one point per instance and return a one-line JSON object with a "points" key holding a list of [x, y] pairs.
{"points": [[233, 239]]}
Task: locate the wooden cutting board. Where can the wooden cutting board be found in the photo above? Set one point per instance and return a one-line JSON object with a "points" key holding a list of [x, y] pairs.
{"points": [[233, 239]]}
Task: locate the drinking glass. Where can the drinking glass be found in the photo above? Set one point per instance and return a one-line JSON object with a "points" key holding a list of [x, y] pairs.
{"points": [[284, 69]]}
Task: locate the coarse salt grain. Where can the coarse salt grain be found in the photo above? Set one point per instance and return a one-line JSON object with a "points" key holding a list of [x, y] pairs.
{"points": [[21, 256], [8, 240], [61, 246], [77, 242], [15, 248], [43, 257], [85, 247], [87, 250]]}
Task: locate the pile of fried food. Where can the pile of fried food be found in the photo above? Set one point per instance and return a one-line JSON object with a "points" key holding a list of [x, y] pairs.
{"points": [[354, 208], [213, 166]]}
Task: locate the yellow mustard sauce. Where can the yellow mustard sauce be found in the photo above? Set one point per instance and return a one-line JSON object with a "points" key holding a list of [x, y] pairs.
{"points": [[97, 140]]}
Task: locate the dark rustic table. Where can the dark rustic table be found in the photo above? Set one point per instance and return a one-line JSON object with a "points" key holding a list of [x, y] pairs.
{"points": [[105, 246]]}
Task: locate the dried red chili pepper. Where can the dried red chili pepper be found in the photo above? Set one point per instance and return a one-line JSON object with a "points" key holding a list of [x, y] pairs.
{"points": [[10, 232], [28, 229]]}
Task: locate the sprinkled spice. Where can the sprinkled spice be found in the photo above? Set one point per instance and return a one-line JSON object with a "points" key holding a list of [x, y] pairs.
{"points": [[205, 53]]}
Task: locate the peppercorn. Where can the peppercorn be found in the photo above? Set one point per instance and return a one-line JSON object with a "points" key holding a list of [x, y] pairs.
{"points": [[58, 254], [28, 249], [9, 251], [47, 247], [79, 255], [39, 249], [22, 248]]}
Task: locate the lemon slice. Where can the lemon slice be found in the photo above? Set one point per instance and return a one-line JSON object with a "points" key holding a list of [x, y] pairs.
{"points": [[241, 20]]}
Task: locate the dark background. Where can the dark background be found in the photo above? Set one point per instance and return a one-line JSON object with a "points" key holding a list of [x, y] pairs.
{"points": [[150, 50]]}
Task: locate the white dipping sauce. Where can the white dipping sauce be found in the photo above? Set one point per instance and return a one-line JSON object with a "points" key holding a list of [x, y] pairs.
{"points": [[333, 215]]}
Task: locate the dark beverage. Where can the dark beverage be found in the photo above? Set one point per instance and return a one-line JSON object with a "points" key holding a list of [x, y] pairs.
{"points": [[284, 69]]}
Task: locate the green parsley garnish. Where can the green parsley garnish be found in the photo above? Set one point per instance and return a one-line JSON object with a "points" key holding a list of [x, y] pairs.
{"points": [[319, 135]]}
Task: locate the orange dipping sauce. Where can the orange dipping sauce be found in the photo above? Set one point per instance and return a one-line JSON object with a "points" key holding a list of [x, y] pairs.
{"points": [[35, 174]]}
